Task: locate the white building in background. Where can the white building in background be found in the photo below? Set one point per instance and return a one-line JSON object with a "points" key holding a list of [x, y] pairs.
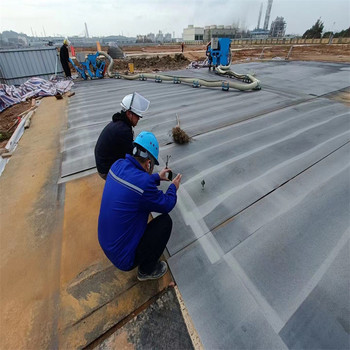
{"points": [[167, 38], [192, 33], [219, 31], [151, 37], [159, 37]]}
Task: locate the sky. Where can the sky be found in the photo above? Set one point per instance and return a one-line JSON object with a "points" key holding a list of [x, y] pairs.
{"points": [[133, 17]]}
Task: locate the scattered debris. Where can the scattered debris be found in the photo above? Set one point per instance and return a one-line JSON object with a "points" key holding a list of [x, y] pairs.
{"points": [[179, 135], [70, 94], [59, 96], [4, 135], [10, 118], [20, 116], [198, 64], [29, 119], [14, 124], [6, 154]]}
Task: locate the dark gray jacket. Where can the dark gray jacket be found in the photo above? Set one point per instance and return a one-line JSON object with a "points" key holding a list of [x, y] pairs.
{"points": [[114, 142]]}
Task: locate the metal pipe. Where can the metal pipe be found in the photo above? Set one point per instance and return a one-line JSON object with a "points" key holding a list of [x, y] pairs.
{"points": [[248, 81]]}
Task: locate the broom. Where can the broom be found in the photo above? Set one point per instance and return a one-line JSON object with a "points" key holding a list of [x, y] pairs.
{"points": [[179, 135]]}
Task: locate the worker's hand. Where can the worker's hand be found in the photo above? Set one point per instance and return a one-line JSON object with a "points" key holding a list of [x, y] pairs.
{"points": [[177, 181], [163, 174]]}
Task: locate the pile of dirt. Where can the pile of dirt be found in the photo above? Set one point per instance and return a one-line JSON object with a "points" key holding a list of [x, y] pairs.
{"points": [[155, 63], [9, 119]]}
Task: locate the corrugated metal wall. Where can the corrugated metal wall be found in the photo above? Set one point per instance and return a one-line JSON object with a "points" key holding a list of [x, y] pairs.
{"points": [[19, 65]]}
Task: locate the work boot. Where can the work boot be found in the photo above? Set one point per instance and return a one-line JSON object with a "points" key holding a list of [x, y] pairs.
{"points": [[159, 271]]}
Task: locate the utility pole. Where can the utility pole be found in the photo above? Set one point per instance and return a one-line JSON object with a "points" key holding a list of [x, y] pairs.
{"points": [[331, 35]]}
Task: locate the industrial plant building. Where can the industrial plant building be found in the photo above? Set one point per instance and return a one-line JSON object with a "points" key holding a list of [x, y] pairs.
{"points": [[199, 34], [278, 28]]}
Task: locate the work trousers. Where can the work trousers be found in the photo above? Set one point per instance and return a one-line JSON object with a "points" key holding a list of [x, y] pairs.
{"points": [[66, 69], [153, 242]]}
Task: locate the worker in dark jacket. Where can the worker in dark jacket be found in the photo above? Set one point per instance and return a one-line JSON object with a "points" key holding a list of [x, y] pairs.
{"points": [[115, 140], [129, 195], [64, 58]]}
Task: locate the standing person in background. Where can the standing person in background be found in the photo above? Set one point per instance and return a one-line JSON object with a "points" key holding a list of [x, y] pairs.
{"points": [[64, 58], [182, 47], [115, 140]]}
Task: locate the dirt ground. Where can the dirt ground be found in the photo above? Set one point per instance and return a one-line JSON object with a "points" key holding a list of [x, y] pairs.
{"points": [[169, 57], [152, 64], [9, 120], [324, 53]]}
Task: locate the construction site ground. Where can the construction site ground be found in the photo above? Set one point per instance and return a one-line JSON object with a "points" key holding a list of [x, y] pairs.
{"points": [[310, 52], [162, 58], [58, 290], [56, 284]]}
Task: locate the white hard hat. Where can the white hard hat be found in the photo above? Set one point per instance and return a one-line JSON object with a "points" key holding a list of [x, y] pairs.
{"points": [[135, 103]]}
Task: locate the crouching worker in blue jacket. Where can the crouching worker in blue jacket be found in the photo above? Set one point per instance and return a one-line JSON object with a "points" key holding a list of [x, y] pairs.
{"points": [[129, 195]]}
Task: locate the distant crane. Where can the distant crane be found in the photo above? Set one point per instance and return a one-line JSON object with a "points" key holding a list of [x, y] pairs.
{"points": [[267, 15], [261, 7], [86, 31]]}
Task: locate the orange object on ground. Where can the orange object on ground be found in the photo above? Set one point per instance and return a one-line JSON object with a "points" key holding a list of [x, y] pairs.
{"points": [[72, 50], [131, 67]]}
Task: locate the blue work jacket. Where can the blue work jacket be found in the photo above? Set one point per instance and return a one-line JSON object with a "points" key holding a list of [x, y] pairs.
{"points": [[129, 195]]}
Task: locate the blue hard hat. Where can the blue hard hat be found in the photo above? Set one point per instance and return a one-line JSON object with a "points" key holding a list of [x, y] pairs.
{"points": [[148, 141]]}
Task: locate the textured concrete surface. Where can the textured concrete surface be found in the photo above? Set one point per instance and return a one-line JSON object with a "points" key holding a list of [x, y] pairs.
{"points": [[249, 250], [200, 110], [94, 294], [160, 326], [31, 217], [259, 254], [57, 289], [264, 245]]}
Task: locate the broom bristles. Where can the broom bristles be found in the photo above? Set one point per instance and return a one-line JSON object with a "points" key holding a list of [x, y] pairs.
{"points": [[179, 135]]}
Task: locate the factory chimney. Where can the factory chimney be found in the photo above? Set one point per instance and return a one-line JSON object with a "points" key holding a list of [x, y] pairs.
{"points": [[86, 31], [261, 6], [267, 15]]}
